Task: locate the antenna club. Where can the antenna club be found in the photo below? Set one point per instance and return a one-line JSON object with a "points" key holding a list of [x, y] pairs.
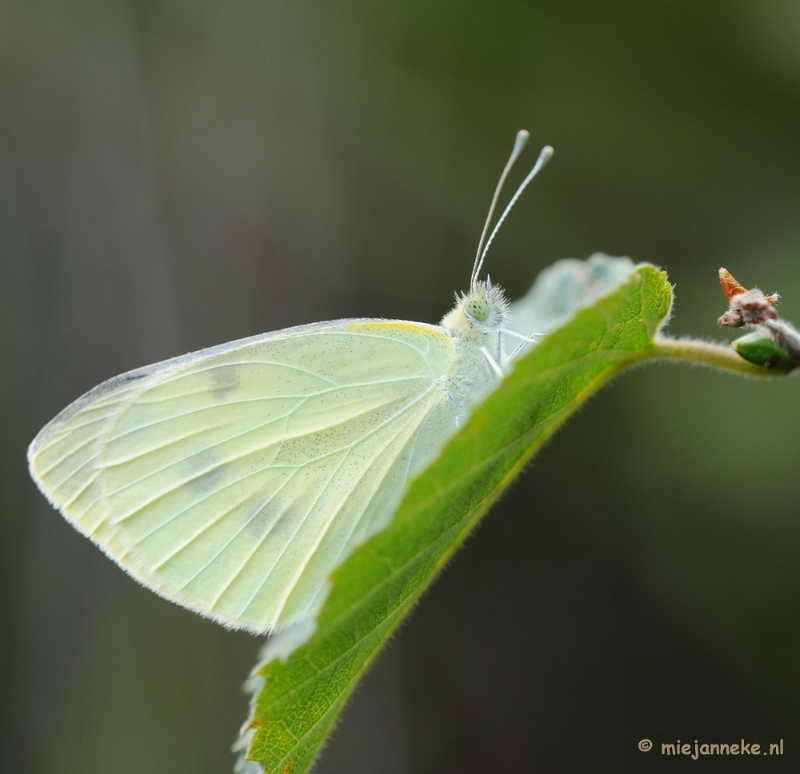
{"points": [[523, 135]]}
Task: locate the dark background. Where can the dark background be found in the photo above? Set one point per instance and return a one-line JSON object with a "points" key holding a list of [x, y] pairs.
{"points": [[178, 174]]}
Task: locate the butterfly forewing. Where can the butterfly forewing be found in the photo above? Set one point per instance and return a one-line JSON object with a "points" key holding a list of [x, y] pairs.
{"points": [[234, 480]]}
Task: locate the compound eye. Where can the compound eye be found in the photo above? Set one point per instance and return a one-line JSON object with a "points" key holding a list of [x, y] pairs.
{"points": [[477, 308]]}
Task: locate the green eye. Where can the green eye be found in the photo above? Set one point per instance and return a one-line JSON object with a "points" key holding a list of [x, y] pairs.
{"points": [[477, 309]]}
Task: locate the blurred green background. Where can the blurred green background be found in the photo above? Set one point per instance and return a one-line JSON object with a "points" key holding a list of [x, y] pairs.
{"points": [[178, 174]]}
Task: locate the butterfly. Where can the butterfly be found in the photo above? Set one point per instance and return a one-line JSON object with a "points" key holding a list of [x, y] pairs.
{"points": [[235, 479]]}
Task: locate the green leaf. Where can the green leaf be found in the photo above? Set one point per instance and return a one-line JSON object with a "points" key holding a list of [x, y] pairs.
{"points": [[300, 695]]}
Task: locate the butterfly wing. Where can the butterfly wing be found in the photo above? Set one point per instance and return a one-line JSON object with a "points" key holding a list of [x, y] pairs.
{"points": [[234, 480]]}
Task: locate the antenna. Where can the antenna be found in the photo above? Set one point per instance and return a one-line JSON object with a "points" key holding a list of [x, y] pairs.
{"points": [[519, 144], [544, 156]]}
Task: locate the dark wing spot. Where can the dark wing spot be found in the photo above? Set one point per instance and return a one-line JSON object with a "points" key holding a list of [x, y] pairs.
{"points": [[203, 470], [224, 380]]}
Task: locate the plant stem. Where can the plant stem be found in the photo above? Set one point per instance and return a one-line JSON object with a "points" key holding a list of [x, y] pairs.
{"points": [[708, 354]]}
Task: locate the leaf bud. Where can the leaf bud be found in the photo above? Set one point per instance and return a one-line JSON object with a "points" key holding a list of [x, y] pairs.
{"points": [[761, 349]]}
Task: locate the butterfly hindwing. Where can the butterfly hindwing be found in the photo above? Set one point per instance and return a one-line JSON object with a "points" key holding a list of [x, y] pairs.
{"points": [[234, 480]]}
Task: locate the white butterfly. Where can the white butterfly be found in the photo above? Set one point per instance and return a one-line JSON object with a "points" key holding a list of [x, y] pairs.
{"points": [[234, 480]]}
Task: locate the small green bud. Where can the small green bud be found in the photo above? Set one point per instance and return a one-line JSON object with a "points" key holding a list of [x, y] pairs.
{"points": [[761, 349]]}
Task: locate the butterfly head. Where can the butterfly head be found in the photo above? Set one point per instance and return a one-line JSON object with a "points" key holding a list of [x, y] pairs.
{"points": [[482, 310]]}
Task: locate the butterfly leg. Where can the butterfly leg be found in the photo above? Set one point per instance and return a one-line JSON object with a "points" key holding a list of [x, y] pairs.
{"points": [[492, 363]]}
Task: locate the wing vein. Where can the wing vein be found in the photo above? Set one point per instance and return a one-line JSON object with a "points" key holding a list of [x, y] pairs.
{"points": [[228, 460], [228, 403], [211, 524], [297, 577], [287, 543]]}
